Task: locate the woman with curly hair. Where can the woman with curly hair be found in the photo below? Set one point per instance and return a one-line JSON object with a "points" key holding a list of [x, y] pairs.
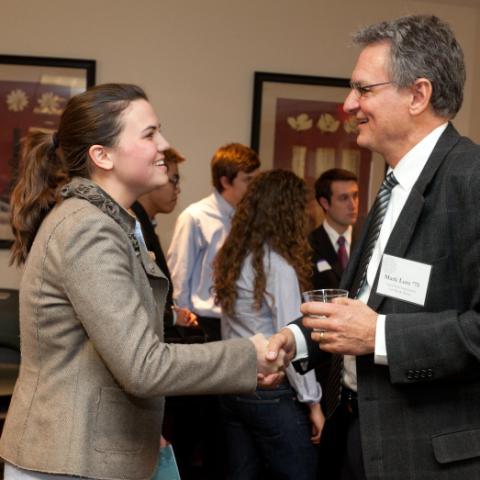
{"points": [[258, 275]]}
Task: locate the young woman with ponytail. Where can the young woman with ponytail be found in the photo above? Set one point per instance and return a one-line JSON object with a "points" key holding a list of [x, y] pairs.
{"points": [[89, 397]]}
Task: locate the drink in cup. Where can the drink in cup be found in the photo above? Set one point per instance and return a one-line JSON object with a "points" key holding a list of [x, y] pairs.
{"points": [[325, 295]]}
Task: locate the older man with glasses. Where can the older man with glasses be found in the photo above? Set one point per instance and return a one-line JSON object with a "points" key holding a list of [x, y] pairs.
{"points": [[408, 340]]}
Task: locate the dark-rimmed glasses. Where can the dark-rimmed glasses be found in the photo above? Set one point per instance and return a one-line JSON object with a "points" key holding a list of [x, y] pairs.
{"points": [[361, 90]]}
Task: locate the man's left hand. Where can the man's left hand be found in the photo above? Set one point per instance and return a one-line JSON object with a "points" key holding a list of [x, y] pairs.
{"points": [[347, 327]]}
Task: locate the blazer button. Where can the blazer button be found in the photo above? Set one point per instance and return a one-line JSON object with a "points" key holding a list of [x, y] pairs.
{"points": [[152, 268]]}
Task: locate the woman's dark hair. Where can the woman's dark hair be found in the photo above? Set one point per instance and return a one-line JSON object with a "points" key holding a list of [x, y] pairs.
{"points": [[272, 214], [48, 161]]}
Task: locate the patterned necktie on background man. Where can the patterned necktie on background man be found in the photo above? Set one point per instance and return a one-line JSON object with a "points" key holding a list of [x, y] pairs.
{"points": [[342, 252]]}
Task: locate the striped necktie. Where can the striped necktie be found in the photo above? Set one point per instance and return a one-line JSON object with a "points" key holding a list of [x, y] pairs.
{"points": [[334, 383], [378, 214]]}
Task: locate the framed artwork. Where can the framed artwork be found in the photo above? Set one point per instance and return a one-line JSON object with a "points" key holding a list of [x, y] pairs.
{"points": [[299, 124], [33, 94]]}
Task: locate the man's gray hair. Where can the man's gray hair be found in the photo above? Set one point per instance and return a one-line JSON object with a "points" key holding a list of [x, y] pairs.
{"points": [[422, 46]]}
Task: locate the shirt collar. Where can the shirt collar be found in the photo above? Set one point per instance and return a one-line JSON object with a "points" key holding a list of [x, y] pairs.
{"points": [[333, 234], [411, 165], [223, 206]]}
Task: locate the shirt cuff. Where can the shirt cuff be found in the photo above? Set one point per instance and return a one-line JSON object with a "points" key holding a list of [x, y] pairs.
{"points": [[301, 350], [381, 357]]}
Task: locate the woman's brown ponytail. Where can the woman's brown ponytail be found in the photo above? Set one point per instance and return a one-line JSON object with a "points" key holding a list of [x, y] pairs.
{"points": [[41, 174], [49, 161]]}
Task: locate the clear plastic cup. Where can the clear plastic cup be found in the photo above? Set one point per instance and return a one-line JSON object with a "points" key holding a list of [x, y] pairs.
{"points": [[325, 295]]}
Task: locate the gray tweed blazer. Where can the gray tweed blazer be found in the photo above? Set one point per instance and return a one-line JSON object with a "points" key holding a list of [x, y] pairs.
{"points": [[89, 397]]}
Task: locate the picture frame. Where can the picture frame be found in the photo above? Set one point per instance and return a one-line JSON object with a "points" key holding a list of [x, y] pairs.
{"points": [[33, 94], [298, 123]]}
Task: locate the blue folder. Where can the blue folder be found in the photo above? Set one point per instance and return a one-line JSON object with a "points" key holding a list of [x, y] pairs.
{"points": [[167, 465]]}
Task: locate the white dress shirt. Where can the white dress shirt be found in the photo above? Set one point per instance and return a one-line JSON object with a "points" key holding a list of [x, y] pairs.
{"points": [[199, 232], [406, 172]]}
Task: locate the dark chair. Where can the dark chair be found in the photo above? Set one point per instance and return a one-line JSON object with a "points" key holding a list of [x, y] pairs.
{"points": [[9, 346], [9, 325]]}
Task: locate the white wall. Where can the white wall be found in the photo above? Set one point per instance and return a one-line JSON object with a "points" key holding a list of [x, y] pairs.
{"points": [[196, 59]]}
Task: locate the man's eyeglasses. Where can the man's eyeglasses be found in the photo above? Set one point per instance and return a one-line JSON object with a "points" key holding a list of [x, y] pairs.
{"points": [[361, 90], [174, 179]]}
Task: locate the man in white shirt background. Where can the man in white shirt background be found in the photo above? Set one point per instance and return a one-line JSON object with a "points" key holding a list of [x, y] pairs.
{"points": [[200, 231], [409, 337]]}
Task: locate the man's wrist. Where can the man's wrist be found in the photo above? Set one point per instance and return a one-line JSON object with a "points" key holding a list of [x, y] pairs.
{"points": [[380, 341], [301, 350]]}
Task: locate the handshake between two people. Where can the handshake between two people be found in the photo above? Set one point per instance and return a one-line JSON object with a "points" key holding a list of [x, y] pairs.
{"points": [[272, 359], [344, 326]]}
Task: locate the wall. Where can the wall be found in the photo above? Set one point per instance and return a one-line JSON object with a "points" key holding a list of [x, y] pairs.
{"points": [[196, 59]]}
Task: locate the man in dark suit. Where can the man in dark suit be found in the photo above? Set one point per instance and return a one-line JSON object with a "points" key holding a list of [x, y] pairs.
{"points": [[336, 191], [409, 337]]}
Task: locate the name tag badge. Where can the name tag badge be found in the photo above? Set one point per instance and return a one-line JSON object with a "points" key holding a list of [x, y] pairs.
{"points": [[404, 279], [323, 266]]}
